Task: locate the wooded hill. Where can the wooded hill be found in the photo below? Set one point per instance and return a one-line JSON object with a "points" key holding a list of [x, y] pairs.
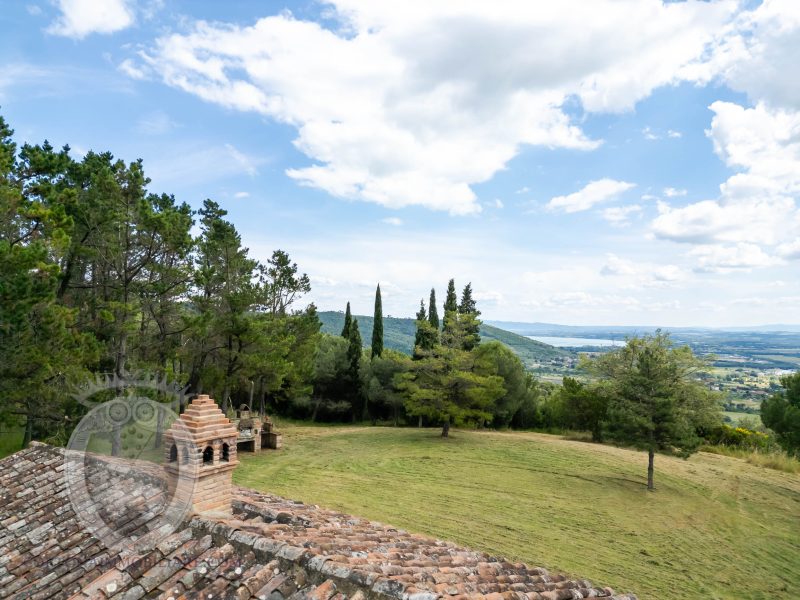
{"points": [[398, 334]]}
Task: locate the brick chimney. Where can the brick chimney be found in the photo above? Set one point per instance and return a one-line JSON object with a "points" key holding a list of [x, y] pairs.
{"points": [[202, 445]]}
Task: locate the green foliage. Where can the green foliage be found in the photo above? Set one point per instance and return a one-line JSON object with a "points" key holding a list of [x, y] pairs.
{"points": [[739, 437], [781, 413], [433, 312], [655, 400], [443, 385], [97, 273], [377, 325], [493, 358], [585, 407], [348, 320], [383, 378]]}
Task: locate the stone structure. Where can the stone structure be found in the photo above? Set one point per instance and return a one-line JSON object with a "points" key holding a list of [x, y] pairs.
{"points": [[202, 445], [255, 433]]}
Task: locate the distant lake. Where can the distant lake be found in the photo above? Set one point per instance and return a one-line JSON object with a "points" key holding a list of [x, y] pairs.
{"points": [[576, 342]]}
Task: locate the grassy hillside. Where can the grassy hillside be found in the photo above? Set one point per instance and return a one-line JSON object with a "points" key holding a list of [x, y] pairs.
{"points": [[716, 527], [398, 334]]}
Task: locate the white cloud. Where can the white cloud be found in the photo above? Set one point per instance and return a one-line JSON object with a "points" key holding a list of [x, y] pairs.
{"points": [[671, 192], [595, 192], [723, 259], [790, 250], [247, 163], [759, 51], [413, 104], [757, 204], [617, 266], [80, 18], [395, 221], [241, 195], [649, 134], [133, 70], [668, 273], [674, 134], [620, 216], [33, 9]]}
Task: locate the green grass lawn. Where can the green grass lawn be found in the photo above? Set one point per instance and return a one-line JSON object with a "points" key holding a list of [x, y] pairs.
{"points": [[716, 527], [10, 440]]}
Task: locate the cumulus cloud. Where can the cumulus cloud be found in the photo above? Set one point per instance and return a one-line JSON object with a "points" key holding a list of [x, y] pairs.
{"points": [[756, 205], [413, 104], [80, 18], [671, 192], [758, 52], [595, 192], [723, 259], [395, 221]]}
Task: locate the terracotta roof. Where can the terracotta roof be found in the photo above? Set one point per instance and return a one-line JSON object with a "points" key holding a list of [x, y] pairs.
{"points": [[270, 548]]}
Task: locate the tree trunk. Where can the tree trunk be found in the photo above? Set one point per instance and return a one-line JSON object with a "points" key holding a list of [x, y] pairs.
{"points": [[446, 428], [316, 408], [26, 440], [650, 456], [419, 422]]}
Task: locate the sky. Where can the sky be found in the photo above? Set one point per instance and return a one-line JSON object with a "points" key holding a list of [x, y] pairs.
{"points": [[614, 162]]}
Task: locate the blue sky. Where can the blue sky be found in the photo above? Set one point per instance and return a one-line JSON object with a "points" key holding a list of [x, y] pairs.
{"points": [[614, 162]]}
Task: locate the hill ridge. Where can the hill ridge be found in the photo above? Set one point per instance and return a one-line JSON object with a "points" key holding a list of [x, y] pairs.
{"points": [[398, 334]]}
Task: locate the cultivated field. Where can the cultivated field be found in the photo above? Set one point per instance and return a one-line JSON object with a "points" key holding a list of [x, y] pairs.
{"points": [[716, 527]]}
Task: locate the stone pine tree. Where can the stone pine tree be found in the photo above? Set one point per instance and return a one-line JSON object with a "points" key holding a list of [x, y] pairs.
{"points": [[377, 325], [444, 385], [655, 399], [348, 320], [433, 313], [468, 313]]}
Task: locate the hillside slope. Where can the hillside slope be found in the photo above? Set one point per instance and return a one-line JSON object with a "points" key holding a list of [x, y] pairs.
{"points": [[716, 527], [398, 334]]}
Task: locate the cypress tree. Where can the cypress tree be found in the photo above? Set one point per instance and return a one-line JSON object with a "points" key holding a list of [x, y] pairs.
{"points": [[433, 316], [354, 363], [468, 305], [468, 316], [450, 317], [377, 327], [421, 312], [426, 336], [348, 320], [451, 300]]}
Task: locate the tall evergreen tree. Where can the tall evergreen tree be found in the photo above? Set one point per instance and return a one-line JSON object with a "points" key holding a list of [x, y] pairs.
{"points": [[348, 321], [451, 300], [421, 316], [426, 336], [469, 313], [377, 325], [433, 315], [450, 317], [354, 350]]}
